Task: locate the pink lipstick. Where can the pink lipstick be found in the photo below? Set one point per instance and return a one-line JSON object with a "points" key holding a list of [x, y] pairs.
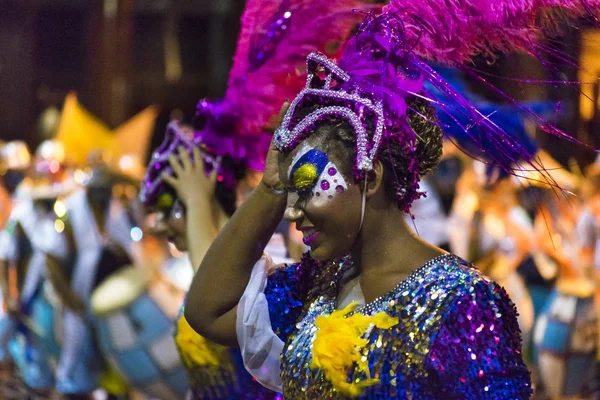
{"points": [[307, 240]]}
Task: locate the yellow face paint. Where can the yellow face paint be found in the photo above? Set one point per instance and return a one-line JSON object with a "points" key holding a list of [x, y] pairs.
{"points": [[305, 176], [165, 201]]}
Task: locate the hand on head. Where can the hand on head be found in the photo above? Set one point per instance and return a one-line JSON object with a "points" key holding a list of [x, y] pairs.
{"points": [[271, 175], [190, 181]]}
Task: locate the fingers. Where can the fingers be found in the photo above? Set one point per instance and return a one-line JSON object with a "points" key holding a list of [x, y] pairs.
{"points": [[173, 182], [185, 159], [175, 165], [284, 108], [198, 164], [213, 175]]}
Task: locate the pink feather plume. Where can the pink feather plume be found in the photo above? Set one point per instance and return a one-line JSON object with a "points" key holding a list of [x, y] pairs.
{"points": [[255, 97], [451, 32]]}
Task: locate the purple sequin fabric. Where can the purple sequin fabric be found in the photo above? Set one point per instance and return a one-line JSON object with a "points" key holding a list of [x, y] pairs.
{"points": [[457, 338]]}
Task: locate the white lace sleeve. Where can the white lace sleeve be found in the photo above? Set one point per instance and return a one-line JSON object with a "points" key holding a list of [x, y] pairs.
{"points": [[261, 348]]}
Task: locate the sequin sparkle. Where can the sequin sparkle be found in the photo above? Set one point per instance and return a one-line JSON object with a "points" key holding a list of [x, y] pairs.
{"points": [[457, 336]]}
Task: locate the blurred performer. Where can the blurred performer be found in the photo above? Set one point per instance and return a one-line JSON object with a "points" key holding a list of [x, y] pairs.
{"points": [[501, 237], [539, 270], [33, 225], [232, 140], [99, 230], [5, 200], [588, 230], [429, 215], [566, 333], [15, 159], [214, 371], [588, 224]]}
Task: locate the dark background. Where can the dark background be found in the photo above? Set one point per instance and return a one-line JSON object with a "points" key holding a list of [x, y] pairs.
{"points": [[113, 54]]}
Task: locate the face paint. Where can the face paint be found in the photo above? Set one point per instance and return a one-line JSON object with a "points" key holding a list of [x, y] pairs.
{"points": [[312, 170], [307, 166]]}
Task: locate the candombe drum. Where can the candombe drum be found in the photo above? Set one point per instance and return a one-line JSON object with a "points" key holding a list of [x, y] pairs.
{"points": [[134, 310], [565, 340]]}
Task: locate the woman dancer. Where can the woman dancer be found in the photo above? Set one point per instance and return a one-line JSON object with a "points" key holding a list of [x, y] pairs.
{"points": [[214, 371], [231, 144], [381, 313]]}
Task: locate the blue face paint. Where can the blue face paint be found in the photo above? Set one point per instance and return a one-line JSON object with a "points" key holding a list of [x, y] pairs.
{"points": [[307, 169]]}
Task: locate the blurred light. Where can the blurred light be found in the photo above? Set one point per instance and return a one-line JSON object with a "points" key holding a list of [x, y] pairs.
{"points": [[49, 120], [127, 163], [60, 209], [287, 14], [79, 176], [59, 226], [15, 155], [51, 150], [54, 166], [136, 234], [110, 8]]}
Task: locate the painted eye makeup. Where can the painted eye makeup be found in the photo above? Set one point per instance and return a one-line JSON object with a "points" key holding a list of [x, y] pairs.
{"points": [[306, 170], [312, 173]]}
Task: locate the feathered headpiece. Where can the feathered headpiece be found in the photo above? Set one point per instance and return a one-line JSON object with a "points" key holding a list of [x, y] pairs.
{"points": [[268, 68], [384, 66], [507, 117]]}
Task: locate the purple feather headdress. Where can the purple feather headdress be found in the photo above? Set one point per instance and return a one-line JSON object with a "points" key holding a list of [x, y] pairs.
{"points": [[383, 66], [268, 68]]}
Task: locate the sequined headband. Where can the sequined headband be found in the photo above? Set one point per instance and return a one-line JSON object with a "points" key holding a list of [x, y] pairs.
{"points": [[288, 134]]}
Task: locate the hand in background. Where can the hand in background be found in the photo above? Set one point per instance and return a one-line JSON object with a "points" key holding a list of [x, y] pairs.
{"points": [[190, 181]]}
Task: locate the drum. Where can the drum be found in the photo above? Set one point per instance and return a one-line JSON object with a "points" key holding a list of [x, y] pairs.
{"points": [[36, 351], [134, 311], [565, 340]]}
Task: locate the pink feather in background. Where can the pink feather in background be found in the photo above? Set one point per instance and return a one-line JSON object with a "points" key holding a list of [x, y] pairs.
{"points": [[451, 32], [255, 97]]}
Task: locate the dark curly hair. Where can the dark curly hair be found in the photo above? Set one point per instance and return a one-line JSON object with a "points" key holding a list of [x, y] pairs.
{"points": [[337, 137]]}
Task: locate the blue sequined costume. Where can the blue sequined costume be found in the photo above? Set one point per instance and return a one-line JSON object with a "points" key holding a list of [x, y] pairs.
{"points": [[457, 336]]}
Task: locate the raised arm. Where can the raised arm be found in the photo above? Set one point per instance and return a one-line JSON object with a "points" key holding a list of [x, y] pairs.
{"points": [[196, 191], [225, 270]]}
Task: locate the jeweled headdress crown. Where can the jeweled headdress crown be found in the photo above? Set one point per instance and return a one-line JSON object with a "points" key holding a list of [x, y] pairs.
{"points": [[351, 105]]}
